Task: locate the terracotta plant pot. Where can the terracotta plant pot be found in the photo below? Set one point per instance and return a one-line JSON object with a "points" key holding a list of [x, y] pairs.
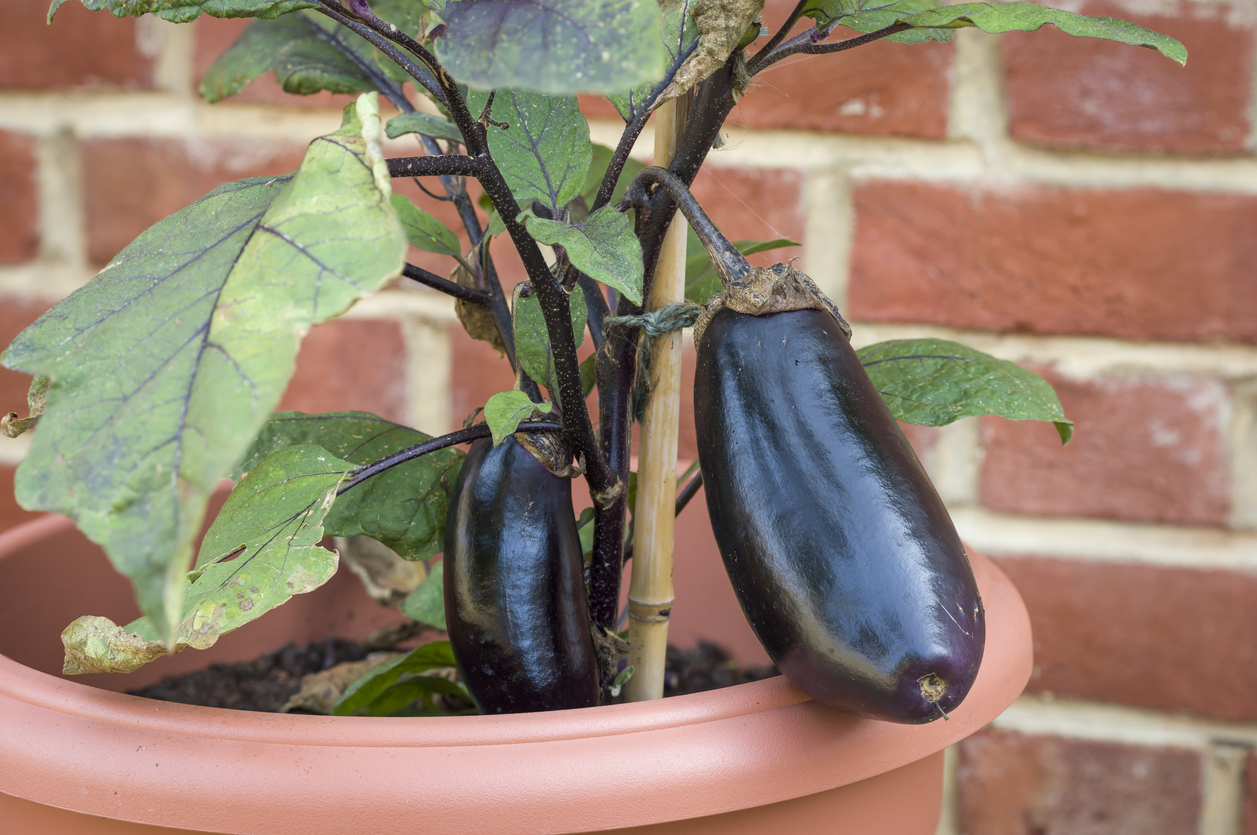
{"points": [[78, 757]]}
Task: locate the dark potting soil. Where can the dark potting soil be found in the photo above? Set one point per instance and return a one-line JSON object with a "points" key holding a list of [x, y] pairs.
{"points": [[266, 683]]}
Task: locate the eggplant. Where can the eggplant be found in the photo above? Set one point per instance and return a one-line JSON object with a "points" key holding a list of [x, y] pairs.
{"points": [[515, 602], [840, 550]]}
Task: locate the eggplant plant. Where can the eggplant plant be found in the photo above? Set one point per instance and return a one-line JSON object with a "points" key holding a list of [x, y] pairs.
{"points": [[160, 377]]}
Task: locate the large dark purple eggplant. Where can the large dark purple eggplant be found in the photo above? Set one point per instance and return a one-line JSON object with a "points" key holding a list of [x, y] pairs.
{"points": [[514, 585], [842, 555]]}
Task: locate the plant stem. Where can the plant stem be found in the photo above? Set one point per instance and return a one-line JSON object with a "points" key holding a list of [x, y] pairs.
{"points": [[461, 436], [440, 166], [650, 588], [381, 41], [778, 36], [729, 263], [806, 44], [445, 285], [688, 492]]}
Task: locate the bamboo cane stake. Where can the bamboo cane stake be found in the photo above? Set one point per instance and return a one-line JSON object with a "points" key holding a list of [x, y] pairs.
{"points": [[650, 586]]}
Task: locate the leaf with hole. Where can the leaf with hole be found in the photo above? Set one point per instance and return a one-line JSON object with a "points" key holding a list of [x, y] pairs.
{"points": [[261, 550], [166, 365]]}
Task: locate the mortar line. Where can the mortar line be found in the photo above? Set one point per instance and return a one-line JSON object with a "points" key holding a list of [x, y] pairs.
{"points": [[1103, 541], [1044, 715]]}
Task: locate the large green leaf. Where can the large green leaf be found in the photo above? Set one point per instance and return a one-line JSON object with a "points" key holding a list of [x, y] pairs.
{"points": [[545, 153], [181, 11], [403, 507], [166, 365], [532, 340], [678, 37], [701, 280], [934, 22], [552, 46], [933, 382], [602, 246], [261, 550]]}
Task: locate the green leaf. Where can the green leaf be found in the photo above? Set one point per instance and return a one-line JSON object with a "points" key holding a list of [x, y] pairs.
{"points": [[426, 603], [425, 231], [303, 62], [585, 529], [998, 18], [532, 340], [588, 374], [166, 365], [602, 246], [181, 11], [933, 382], [261, 550], [678, 37], [404, 507], [507, 410], [555, 47], [701, 281], [424, 123], [374, 684], [593, 180], [545, 153]]}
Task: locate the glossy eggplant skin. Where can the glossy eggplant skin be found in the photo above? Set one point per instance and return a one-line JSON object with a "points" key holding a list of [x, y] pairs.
{"points": [[841, 552], [514, 585]]}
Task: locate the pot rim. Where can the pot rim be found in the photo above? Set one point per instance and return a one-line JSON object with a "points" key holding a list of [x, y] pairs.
{"points": [[766, 738]]}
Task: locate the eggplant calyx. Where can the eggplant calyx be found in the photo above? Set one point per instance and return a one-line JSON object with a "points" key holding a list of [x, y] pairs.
{"points": [[551, 451], [774, 289]]}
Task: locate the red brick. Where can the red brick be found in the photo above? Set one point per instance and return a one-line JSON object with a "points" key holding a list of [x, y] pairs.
{"points": [[755, 204], [1013, 784], [477, 373], [1148, 450], [19, 199], [15, 315], [1137, 263], [1083, 93], [880, 89], [11, 513], [351, 364], [132, 183], [1148, 636], [215, 35], [79, 49]]}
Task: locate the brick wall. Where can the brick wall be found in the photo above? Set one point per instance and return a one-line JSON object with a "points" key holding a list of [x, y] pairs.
{"points": [[1086, 209]]}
